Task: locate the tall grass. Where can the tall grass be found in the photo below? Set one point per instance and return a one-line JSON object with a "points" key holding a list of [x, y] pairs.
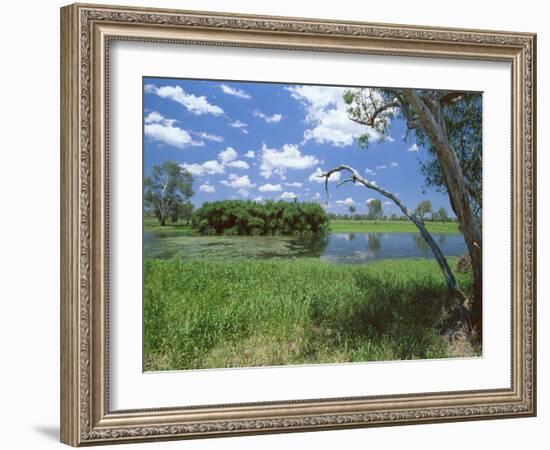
{"points": [[215, 313]]}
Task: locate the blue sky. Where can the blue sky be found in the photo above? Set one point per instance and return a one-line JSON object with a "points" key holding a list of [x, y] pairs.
{"points": [[263, 141]]}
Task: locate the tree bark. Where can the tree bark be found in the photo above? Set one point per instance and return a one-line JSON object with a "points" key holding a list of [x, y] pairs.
{"points": [[430, 115]]}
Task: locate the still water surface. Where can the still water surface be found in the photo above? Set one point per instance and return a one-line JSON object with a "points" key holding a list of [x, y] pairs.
{"points": [[341, 248]]}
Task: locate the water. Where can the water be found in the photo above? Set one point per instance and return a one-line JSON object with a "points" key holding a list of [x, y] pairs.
{"points": [[357, 248], [341, 248]]}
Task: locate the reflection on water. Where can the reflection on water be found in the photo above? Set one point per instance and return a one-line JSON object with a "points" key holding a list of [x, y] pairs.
{"points": [[366, 247], [342, 248]]}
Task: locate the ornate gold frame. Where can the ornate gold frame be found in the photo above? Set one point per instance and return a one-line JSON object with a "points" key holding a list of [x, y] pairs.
{"points": [[86, 31]]}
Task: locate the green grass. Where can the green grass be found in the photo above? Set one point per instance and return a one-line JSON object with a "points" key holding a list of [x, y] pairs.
{"points": [[151, 223], [389, 226], [216, 313]]}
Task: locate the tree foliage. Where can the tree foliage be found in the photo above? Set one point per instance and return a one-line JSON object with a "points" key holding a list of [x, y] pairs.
{"points": [[245, 217], [462, 116], [463, 120], [441, 215], [168, 190], [423, 209], [375, 209]]}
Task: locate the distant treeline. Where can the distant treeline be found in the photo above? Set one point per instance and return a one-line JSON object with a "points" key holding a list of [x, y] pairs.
{"points": [[392, 217], [248, 218]]}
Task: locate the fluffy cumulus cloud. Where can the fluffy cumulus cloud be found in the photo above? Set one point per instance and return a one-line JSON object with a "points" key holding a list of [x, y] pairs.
{"points": [[347, 202], [228, 157], [236, 182], [229, 154], [238, 164], [207, 188], [294, 184], [197, 105], [250, 154], [274, 118], [326, 114], [289, 157], [234, 91], [161, 129], [413, 148], [270, 188], [211, 167], [288, 196], [316, 176], [393, 164]]}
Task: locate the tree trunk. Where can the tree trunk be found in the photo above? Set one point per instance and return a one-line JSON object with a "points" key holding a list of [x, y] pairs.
{"points": [[431, 118]]}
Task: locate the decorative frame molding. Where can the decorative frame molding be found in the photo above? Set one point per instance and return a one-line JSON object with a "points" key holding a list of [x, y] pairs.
{"points": [[86, 31]]}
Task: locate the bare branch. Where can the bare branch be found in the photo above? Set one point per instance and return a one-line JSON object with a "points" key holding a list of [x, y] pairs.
{"points": [[439, 256]]}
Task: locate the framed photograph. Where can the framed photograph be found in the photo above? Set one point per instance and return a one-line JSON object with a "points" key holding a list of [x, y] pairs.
{"points": [[279, 224]]}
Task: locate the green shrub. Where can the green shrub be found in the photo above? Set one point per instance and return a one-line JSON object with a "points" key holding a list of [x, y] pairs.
{"points": [[248, 218]]}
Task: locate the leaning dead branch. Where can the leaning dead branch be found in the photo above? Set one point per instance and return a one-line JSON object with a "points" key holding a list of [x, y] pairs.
{"points": [[452, 284]]}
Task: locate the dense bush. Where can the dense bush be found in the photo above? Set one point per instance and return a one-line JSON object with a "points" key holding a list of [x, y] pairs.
{"points": [[248, 218]]}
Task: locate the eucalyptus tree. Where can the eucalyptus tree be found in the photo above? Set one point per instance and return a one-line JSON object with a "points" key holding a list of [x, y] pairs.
{"points": [[168, 191], [448, 125]]}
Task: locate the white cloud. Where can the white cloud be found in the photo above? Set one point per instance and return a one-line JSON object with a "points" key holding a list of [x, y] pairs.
{"points": [[277, 162], [326, 113], [250, 154], [268, 119], [234, 91], [270, 188], [393, 164], [156, 117], [239, 125], [316, 176], [381, 167], [370, 200], [212, 167], [159, 128], [347, 202], [259, 199], [388, 203], [243, 192], [194, 104], [210, 137], [207, 188], [229, 154], [238, 164], [168, 134], [237, 182], [288, 195], [162, 129], [413, 148], [294, 184], [370, 171]]}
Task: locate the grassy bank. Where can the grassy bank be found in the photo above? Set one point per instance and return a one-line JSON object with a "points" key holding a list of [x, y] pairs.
{"points": [[336, 226], [389, 226], [206, 314], [151, 224]]}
